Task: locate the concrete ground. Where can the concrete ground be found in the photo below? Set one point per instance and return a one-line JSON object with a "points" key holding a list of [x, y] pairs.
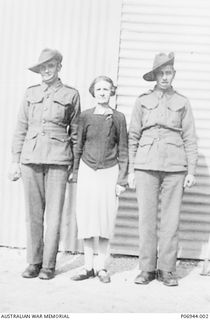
{"points": [[61, 295]]}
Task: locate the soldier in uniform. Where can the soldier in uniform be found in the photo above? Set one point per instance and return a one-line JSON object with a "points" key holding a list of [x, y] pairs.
{"points": [[163, 156], [42, 153]]}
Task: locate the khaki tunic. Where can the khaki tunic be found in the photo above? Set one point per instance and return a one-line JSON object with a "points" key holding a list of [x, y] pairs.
{"points": [[47, 125], [162, 133]]}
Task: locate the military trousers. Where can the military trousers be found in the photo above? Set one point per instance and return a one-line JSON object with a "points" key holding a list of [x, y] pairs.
{"points": [[158, 250], [44, 190]]}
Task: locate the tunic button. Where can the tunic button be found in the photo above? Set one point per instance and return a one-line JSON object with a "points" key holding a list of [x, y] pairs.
{"points": [[43, 133], [43, 121]]}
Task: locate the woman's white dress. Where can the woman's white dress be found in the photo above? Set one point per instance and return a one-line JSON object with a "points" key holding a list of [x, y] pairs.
{"points": [[96, 201]]}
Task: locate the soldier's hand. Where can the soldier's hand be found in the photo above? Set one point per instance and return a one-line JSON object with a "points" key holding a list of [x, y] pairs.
{"points": [[119, 189], [131, 180], [70, 173], [70, 177], [189, 180], [14, 171]]}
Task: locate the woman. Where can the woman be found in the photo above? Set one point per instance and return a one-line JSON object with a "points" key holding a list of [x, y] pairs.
{"points": [[102, 158]]}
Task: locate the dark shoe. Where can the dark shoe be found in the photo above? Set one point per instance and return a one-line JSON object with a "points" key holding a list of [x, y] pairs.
{"points": [[47, 273], [83, 275], [32, 271], [168, 278], [145, 277], [103, 276]]}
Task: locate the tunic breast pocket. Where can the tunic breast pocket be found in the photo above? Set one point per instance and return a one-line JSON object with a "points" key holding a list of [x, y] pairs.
{"points": [[149, 114], [174, 116], [61, 109], [35, 108]]}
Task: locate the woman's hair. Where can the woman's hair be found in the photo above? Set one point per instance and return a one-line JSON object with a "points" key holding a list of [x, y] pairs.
{"points": [[102, 78]]}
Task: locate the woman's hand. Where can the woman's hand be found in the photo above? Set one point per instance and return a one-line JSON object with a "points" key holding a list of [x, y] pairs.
{"points": [[119, 189], [14, 171], [131, 180], [189, 180]]}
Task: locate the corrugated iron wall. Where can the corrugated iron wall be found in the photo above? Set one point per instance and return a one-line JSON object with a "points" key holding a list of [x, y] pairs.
{"points": [[149, 27], [87, 33]]}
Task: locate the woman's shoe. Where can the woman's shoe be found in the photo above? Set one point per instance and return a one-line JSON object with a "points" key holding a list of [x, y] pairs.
{"points": [[103, 276], [83, 275]]}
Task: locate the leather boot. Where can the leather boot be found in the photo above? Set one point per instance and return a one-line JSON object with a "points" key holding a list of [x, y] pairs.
{"points": [[168, 278], [32, 271], [145, 277], [47, 273]]}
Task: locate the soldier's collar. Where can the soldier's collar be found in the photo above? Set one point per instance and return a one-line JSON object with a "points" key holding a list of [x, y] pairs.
{"points": [[55, 86], [160, 92]]}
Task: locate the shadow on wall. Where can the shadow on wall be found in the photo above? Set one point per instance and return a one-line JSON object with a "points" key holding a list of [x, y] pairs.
{"points": [[195, 215]]}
